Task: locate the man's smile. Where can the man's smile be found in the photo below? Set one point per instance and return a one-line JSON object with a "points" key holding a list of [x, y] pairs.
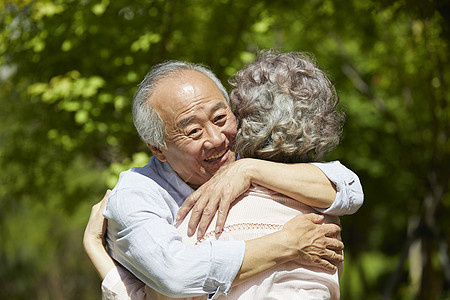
{"points": [[218, 155]]}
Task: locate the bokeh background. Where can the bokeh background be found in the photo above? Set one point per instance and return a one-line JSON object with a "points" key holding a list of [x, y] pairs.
{"points": [[68, 70]]}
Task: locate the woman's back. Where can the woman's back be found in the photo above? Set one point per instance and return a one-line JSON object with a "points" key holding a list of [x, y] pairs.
{"points": [[258, 212]]}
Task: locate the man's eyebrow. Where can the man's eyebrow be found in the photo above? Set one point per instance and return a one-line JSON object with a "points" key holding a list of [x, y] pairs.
{"points": [[218, 106], [183, 123]]}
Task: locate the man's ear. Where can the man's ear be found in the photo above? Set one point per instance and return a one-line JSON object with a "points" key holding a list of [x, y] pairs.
{"points": [[157, 152]]}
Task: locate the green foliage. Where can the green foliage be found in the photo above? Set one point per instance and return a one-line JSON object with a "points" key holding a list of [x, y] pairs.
{"points": [[68, 71]]}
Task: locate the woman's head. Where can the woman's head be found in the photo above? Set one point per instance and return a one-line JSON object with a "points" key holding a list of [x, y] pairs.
{"points": [[286, 108]]}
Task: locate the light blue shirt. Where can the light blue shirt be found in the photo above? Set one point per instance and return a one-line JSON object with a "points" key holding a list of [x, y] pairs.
{"points": [[349, 191], [141, 236]]}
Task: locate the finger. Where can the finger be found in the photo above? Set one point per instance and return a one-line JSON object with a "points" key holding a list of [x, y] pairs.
{"points": [[105, 200], [327, 266], [222, 215], [95, 208], [322, 265], [207, 216], [315, 218], [330, 230], [197, 212], [186, 207], [100, 205], [108, 192], [334, 244], [333, 257]]}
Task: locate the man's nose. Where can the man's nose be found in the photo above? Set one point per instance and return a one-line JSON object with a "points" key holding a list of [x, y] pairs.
{"points": [[215, 137]]}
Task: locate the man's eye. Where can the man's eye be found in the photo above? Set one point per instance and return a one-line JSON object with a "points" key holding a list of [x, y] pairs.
{"points": [[194, 131], [219, 118]]}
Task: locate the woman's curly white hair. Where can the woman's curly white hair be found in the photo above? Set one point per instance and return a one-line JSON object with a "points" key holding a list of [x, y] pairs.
{"points": [[286, 108]]}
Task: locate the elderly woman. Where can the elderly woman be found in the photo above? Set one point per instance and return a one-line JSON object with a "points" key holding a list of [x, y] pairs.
{"points": [[286, 109]]}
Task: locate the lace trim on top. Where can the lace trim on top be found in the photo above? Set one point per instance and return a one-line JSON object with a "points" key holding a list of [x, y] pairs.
{"points": [[240, 226]]}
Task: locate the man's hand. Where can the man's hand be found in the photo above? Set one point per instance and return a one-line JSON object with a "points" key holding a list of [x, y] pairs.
{"points": [[216, 194], [317, 245], [303, 240]]}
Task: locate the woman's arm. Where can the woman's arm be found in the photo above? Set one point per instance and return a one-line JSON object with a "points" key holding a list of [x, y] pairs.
{"points": [[303, 182], [306, 183]]}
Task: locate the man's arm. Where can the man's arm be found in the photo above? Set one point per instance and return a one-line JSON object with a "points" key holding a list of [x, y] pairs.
{"points": [[117, 283], [307, 183], [303, 240], [142, 238]]}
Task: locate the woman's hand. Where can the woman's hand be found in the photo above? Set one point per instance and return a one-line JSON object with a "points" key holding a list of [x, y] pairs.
{"points": [[94, 239], [96, 227], [216, 194]]}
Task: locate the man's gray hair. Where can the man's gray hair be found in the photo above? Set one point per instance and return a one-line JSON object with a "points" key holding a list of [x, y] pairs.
{"points": [[146, 119], [286, 109]]}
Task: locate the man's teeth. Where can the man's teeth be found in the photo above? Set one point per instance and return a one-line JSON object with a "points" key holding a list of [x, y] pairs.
{"points": [[216, 156]]}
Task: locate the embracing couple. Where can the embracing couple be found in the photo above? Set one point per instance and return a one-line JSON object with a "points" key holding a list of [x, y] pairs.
{"points": [[235, 201]]}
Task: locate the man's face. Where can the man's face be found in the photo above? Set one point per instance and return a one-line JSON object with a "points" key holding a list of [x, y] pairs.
{"points": [[200, 126]]}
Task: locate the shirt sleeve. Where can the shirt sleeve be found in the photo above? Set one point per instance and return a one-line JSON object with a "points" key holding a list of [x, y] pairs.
{"points": [[142, 238], [119, 284], [349, 196]]}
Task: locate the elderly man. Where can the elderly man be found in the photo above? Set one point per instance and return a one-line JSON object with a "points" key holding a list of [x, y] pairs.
{"points": [[182, 113]]}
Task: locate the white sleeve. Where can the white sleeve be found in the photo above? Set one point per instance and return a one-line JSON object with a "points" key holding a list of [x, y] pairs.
{"points": [[349, 196], [119, 284], [142, 238]]}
